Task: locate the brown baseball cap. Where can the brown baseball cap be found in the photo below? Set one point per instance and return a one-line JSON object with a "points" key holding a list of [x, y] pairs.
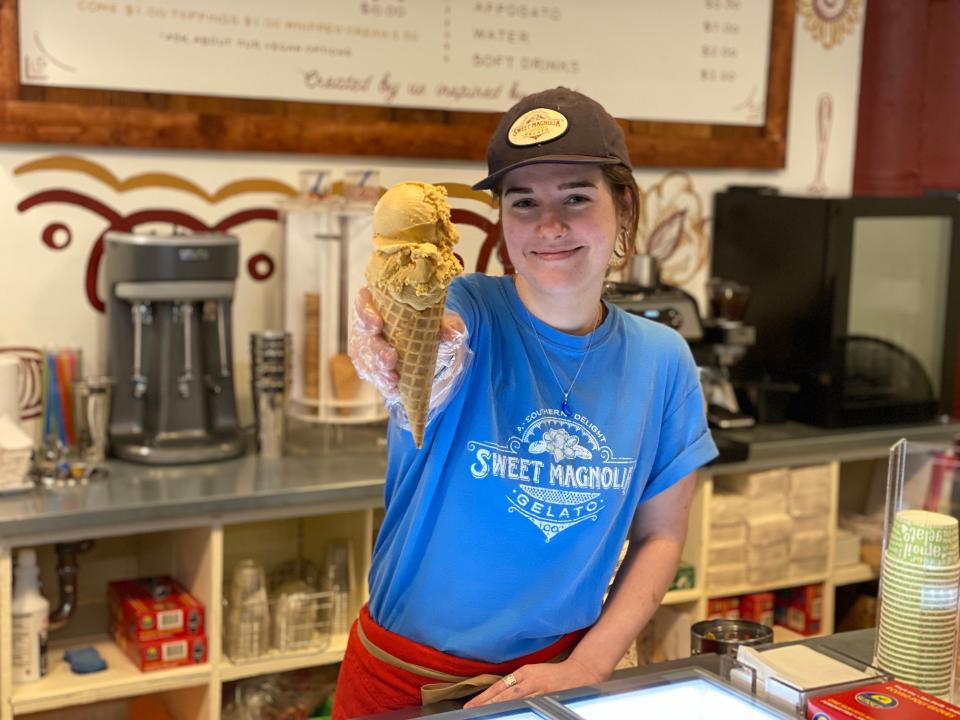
{"points": [[558, 125]]}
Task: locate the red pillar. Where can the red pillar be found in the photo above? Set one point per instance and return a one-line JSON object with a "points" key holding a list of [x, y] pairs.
{"points": [[892, 81], [940, 139]]}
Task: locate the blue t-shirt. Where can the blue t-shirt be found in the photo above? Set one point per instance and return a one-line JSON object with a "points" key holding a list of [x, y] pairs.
{"points": [[502, 533]]}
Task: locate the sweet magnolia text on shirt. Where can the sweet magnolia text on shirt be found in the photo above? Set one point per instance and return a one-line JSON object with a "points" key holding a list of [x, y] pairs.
{"points": [[561, 471]]}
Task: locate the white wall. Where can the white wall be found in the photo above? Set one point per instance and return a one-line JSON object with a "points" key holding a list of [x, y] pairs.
{"points": [[44, 300]]}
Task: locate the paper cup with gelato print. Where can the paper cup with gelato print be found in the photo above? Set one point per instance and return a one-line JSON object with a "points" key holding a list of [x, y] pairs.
{"points": [[924, 538]]}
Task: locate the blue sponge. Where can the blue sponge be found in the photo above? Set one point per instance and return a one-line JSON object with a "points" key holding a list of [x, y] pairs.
{"points": [[85, 660]]}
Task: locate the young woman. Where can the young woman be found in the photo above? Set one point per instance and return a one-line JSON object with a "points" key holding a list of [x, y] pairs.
{"points": [[572, 427]]}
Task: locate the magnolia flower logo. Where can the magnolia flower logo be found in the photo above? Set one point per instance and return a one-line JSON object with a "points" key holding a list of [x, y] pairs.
{"points": [[561, 444]]}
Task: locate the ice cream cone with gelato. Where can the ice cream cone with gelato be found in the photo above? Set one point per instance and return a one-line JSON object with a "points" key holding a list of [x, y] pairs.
{"points": [[408, 274]]}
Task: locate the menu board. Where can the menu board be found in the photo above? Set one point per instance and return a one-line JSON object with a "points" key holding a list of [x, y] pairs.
{"points": [[701, 61]]}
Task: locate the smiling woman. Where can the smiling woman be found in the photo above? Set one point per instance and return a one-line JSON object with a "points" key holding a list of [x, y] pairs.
{"points": [[571, 427]]}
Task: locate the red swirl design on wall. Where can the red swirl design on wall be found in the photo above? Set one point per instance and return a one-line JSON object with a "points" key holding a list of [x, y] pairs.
{"points": [[129, 223], [493, 242], [50, 233]]}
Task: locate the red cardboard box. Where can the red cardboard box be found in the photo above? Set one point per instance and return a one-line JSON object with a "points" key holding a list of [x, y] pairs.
{"points": [[800, 609], [728, 607], [163, 653], [758, 607], [153, 607], [890, 701]]}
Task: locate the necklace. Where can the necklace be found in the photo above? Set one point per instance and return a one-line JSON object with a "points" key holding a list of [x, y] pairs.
{"points": [[565, 406]]}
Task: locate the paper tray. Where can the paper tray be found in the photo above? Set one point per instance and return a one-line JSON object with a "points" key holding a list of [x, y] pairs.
{"points": [[786, 695]]}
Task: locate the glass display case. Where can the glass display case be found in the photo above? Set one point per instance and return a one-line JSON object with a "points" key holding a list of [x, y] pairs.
{"points": [[685, 694]]}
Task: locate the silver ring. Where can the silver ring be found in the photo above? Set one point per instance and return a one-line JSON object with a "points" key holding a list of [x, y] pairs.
{"points": [[509, 680]]}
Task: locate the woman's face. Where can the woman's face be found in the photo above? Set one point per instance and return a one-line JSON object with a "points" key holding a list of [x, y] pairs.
{"points": [[560, 224]]}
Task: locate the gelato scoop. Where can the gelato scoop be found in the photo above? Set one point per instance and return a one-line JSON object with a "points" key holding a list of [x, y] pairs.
{"points": [[408, 274], [413, 236]]}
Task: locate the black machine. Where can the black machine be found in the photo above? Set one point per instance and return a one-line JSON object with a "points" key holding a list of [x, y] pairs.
{"points": [[855, 301], [716, 343]]}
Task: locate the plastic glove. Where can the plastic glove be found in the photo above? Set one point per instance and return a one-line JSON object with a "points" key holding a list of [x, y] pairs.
{"points": [[376, 359]]}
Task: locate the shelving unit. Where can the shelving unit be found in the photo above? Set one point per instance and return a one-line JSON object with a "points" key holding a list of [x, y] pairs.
{"points": [[200, 556], [276, 662], [63, 689], [200, 550]]}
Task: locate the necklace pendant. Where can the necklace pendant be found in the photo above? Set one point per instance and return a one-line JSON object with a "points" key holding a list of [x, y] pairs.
{"points": [[564, 408]]}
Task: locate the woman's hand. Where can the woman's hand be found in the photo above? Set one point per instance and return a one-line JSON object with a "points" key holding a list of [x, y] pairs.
{"points": [[376, 359], [537, 680]]}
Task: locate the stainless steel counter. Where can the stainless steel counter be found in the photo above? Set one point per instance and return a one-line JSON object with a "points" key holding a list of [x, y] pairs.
{"points": [[795, 444], [352, 471]]}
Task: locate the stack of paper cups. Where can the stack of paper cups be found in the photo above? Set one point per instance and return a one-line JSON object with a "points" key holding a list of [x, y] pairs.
{"points": [[9, 388], [917, 632]]}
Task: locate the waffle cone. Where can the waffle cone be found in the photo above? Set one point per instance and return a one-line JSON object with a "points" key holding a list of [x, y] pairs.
{"points": [[414, 333]]}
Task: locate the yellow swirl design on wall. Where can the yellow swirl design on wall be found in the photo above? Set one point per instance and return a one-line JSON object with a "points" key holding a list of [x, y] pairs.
{"points": [[84, 166], [465, 192], [71, 163]]}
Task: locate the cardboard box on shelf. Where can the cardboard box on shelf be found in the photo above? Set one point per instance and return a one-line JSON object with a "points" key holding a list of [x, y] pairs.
{"points": [[807, 567], [758, 607], [758, 483], [767, 504], [153, 607], [726, 554], [725, 576], [809, 545], [164, 653], [846, 546], [765, 529], [808, 503], [889, 700], [728, 534], [811, 478], [818, 522], [726, 607], [726, 508], [766, 554], [768, 572], [800, 609]]}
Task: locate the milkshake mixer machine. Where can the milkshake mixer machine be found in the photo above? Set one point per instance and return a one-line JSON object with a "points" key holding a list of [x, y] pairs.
{"points": [[170, 347]]}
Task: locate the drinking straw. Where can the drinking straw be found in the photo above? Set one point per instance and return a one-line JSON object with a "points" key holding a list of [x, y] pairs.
{"points": [[47, 412], [55, 408], [63, 379]]}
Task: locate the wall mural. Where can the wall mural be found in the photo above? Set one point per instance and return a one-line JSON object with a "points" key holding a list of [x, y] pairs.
{"points": [[673, 227], [58, 236], [824, 122], [830, 21]]}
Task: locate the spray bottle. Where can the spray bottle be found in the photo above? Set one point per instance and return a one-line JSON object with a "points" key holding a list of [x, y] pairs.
{"points": [[31, 611]]}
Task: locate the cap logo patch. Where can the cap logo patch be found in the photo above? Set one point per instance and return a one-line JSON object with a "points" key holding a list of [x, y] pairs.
{"points": [[537, 126]]}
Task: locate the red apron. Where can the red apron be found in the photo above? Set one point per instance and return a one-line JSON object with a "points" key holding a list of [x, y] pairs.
{"points": [[368, 684]]}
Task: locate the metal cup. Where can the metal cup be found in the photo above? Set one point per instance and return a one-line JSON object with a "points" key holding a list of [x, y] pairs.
{"points": [[91, 411], [725, 636], [271, 354]]}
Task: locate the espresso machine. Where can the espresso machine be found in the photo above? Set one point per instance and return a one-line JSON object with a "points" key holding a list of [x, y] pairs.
{"points": [[170, 347], [645, 295], [725, 341]]}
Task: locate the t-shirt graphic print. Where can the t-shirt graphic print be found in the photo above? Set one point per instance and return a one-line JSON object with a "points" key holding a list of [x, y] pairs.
{"points": [[560, 471]]}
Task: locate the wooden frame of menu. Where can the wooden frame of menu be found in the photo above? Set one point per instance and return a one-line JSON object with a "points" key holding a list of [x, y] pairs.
{"points": [[67, 116]]}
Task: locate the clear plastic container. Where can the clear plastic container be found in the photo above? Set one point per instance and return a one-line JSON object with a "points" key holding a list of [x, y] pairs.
{"points": [[327, 243]]}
